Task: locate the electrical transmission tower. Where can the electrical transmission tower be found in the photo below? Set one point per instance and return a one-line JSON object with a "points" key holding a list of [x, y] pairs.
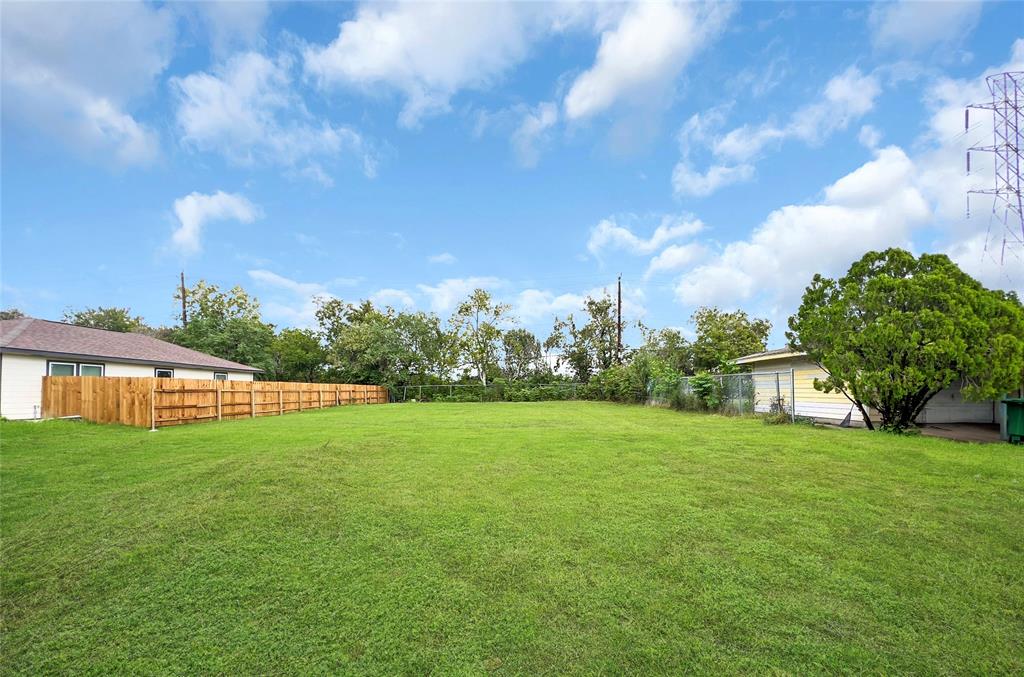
{"points": [[1007, 108]]}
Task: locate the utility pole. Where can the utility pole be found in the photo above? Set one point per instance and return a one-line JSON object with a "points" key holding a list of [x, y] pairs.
{"points": [[184, 309], [618, 324]]}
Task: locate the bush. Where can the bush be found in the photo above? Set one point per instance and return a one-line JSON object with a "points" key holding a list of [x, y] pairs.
{"points": [[707, 388]]}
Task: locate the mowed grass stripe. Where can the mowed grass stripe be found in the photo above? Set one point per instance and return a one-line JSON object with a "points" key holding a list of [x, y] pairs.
{"points": [[542, 538]]}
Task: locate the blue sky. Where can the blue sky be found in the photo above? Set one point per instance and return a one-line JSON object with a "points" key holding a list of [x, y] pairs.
{"points": [[714, 154]]}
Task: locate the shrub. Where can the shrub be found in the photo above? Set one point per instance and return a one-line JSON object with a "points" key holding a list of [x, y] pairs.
{"points": [[707, 388]]}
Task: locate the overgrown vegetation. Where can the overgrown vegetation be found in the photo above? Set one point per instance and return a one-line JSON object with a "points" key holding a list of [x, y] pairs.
{"points": [[554, 538]]}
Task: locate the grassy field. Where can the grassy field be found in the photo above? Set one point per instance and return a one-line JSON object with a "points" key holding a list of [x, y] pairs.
{"points": [[521, 538]]}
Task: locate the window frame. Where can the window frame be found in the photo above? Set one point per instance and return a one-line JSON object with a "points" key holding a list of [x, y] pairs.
{"points": [[157, 370], [220, 376], [102, 367], [73, 365]]}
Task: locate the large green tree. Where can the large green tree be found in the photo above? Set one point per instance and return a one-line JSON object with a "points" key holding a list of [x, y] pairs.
{"points": [[477, 322], [895, 330], [114, 319], [226, 324], [723, 336], [522, 354], [297, 355], [589, 348]]}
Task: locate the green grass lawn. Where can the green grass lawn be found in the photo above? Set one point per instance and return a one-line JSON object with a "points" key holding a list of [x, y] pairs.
{"points": [[531, 538]]}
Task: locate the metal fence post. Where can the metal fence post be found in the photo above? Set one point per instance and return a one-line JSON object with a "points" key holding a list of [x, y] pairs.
{"points": [[792, 395]]}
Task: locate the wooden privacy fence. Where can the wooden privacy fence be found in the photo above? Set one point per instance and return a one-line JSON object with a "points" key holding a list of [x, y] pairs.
{"points": [[157, 402]]}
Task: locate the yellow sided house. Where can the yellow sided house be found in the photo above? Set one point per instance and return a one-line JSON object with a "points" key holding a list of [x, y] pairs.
{"points": [[788, 375]]}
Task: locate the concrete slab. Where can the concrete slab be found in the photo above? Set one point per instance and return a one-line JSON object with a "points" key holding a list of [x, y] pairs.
{"points": [[963, 432]]}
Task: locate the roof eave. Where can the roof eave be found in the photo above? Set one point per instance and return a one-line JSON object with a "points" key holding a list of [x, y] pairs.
{"points": [[761, 357], [130, 360]]}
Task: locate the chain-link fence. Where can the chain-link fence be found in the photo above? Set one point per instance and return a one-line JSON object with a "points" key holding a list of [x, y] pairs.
{"points": [[761, 393], [492, 392]]}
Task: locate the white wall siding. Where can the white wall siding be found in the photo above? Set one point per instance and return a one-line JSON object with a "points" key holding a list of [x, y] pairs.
{"points": [[21, 385], [949, 406], [122, 369]]}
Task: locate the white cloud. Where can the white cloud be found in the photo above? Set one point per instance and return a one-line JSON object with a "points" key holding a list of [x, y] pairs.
{"points": [[532, 133], [674, 257], [246, 110], [942, 177], [71, 71], [845, 98], [292, 303], [913, 26], [608, 234], [688, 181], [272, 279], [395, 298], [430, 51], [874, 207], [444, 296], [869, 137], [639, 58], [195, 210], [444, 258], [540, 306], [532, 305], [232, 24]]}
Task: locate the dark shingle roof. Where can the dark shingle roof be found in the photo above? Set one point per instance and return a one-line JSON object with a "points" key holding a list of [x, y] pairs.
{"points": [[44, 337]]}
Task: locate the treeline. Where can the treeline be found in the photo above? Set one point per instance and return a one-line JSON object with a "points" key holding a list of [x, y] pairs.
{"points": [[480, 343]]}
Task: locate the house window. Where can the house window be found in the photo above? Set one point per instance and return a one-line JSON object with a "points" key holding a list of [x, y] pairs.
{"points": [[160, 372], [220, 376], [90, 370], [61, 369]]}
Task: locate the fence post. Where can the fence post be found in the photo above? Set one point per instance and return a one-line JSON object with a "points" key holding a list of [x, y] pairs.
{"points": [[152, 406], [419, 396], [792, 395], [219, 417], [280, 402], [320, 396], [252, 402], [778, 391]]}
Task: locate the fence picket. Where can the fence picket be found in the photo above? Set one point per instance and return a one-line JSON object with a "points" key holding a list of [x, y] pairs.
{"points": [[153, 403]]}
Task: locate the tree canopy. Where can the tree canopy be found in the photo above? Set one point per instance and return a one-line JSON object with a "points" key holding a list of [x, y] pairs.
{"points": [[723, 336], [113, 319], [895, 330]]}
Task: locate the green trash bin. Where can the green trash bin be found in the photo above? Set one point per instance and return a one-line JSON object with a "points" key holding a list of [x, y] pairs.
{"points": [[1015, 419]]}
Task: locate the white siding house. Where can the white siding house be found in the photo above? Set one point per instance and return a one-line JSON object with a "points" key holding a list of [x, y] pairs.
{"points": [[31, 349]]}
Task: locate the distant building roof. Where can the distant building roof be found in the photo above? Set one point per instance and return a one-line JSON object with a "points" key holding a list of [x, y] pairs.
{"points": [[56, 339], [776, 354]]}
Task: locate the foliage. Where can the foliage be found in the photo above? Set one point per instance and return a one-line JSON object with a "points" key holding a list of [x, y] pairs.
{"points": [[522, 355], [226, 324], [895, 330], [207, 301], [113, 319], [11, 314], [591, 348], [551, 537], [297, 355], [723, 336], [707, 389], [670, 347], [477, 324]]}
